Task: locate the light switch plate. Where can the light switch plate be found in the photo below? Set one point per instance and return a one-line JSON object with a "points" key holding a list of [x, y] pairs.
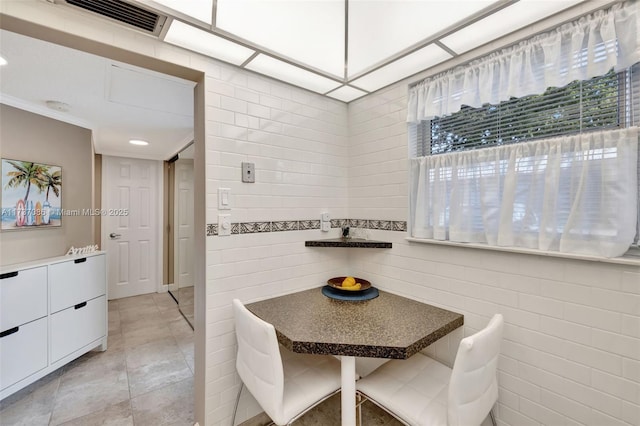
{"points": [[224, 200], [325, 226], [248, 172], [325, 217], [224, 225]]}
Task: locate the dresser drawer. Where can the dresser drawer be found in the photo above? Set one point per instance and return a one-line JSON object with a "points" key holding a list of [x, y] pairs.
{"points": [[76, 281], [23, 297], [77, 326], [23, 352]]}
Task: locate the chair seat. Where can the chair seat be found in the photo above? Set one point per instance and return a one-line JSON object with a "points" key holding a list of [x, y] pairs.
{"points": [[305, 377], [415, 390]]}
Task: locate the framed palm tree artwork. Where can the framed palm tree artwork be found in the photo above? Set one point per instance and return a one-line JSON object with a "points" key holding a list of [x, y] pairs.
{"points": [[31, 195]]}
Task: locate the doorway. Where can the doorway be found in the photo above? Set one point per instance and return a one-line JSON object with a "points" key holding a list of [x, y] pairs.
{"points": [[76, 41]]}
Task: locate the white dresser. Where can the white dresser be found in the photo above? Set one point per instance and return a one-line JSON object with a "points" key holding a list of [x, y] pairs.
{"points": [[51, 312]]}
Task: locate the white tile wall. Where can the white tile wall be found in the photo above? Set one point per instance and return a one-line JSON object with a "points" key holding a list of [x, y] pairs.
{"points": [[571, 351], [298, 142]]}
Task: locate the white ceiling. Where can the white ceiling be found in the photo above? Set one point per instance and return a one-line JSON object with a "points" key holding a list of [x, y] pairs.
{"points": [[117, 101], [343, 49]]}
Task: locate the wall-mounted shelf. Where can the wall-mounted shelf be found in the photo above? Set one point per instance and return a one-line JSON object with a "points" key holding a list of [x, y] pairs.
{"points": [[350, 242]]}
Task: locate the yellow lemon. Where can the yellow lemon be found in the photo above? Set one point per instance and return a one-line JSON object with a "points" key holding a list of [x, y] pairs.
{"points": [[348, 282], [353, 287]]}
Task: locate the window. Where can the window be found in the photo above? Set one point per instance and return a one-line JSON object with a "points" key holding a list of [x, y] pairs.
{"points": [[596, 104], [561, 192]]}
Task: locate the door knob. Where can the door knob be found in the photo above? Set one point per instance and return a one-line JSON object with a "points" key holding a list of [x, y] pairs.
{"points": [[114, 236]]}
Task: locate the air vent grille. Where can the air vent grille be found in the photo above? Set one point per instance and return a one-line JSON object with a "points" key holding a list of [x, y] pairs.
{"points": [[120, 11]]}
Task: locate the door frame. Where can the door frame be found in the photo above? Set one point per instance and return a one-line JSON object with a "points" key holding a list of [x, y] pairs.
{"points": [[158, 228], [176, 216], [168, 225]]}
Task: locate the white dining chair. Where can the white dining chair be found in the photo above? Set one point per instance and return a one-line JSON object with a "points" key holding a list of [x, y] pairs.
{"points": [[285, 384], [421, 391]]}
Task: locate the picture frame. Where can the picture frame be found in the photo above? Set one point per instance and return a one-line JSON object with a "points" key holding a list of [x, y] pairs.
{"points": [[31, 195]]}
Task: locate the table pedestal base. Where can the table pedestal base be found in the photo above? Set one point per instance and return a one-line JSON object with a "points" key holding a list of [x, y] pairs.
{"points": [[348, 393]]}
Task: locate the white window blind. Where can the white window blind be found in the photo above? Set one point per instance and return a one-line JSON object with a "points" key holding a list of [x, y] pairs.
{"points": [[599, 103], [581, 106]]}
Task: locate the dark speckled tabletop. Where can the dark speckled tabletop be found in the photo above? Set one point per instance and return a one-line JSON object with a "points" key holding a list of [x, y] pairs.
{"points": [[388, 326]]}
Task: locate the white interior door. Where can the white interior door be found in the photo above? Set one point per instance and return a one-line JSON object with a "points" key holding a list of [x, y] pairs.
{"points": [[183, 235], [130, 215]]}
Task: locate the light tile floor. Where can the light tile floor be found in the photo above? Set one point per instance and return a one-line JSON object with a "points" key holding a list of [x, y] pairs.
{"points": [[145, 377]]}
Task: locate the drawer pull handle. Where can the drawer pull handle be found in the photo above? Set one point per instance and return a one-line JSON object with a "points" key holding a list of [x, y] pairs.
{"points": [[84, 259], [9, 332], [80, 305], [8, 275]]}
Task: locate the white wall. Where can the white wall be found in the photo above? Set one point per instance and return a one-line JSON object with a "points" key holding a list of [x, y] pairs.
{"points": [[27, 137], [571, 349]]}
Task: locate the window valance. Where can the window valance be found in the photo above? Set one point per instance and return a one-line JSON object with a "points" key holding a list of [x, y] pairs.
{"points": [[579, 50]]}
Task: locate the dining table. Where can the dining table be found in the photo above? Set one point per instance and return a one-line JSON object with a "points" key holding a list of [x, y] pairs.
{"points": [[387, 326]]}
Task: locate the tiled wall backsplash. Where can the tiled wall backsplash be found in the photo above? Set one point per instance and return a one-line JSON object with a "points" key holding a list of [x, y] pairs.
{"points": [[303, 225]]}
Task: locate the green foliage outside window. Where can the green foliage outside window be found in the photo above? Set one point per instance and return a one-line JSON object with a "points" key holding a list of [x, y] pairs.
{"points": [[580, 106]]}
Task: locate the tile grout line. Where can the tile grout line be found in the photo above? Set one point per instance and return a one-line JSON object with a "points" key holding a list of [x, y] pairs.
{"points": [[126, 368], [55, 396]]}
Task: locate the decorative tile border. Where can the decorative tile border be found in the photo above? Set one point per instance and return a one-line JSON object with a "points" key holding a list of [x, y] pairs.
{"points": [[285, 225], [359, 223], [339, 223], [302, 225], [384, 225], [399, 225], [254, 227], [309, 224]]}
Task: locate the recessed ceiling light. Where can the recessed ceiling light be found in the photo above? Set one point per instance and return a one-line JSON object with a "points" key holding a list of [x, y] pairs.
{"points": [[138, 142], [3, 61]]}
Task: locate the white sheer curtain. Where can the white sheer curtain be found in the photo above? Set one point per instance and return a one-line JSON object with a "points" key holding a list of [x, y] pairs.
{"points": [[578, 50], [575, 194]]}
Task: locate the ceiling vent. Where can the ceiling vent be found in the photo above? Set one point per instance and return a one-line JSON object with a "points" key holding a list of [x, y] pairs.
{"points": [[126, 13]]}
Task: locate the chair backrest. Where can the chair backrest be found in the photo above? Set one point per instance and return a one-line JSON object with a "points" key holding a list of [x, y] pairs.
{"points": [[473, 388], [258, 361]]}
